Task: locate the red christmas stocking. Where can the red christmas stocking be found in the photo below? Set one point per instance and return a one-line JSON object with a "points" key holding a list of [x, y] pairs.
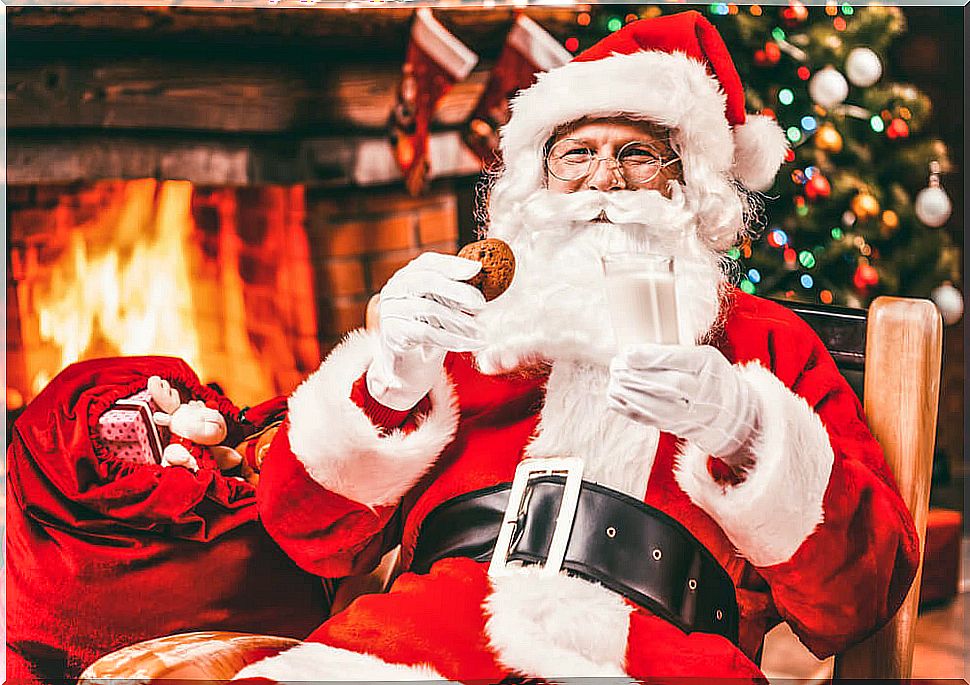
{"points": [[528, 49], [435, 61]]}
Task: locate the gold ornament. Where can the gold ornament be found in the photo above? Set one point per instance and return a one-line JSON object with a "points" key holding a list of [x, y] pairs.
{"points": [[865, 206], [890, 222], [828, 139]]}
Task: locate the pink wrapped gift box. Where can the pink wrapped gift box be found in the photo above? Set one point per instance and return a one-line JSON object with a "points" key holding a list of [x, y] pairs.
{"points": [[128, 431]]}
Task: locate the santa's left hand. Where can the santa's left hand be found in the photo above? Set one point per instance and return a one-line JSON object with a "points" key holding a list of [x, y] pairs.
{"points": [[692, 391]]}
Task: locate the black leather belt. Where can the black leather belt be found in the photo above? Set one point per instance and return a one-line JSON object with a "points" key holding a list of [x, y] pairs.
{"points": [[616, 540]]}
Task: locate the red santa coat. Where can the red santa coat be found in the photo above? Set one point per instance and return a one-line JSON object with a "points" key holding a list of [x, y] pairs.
{"points": [[815, 535]]}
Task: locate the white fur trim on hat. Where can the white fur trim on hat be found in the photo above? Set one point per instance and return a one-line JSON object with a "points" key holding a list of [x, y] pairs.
{"points": [[670, 89], [316, 662], [557, 626], [759, 150], [346, 453], [779, 504]]}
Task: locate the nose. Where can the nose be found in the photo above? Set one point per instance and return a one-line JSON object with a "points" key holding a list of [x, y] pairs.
{"points": [[605, 175]]}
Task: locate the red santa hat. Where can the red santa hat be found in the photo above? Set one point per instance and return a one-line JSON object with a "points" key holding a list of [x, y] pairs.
{"points": [[674, 70]]}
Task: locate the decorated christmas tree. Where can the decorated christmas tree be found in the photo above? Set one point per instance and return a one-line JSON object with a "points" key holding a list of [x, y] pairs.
{"points": [[857, 211]]}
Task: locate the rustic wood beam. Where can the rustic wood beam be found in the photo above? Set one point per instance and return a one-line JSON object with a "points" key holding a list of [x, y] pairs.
{"points": [[211, 160], [185, 94], [325, 26]]}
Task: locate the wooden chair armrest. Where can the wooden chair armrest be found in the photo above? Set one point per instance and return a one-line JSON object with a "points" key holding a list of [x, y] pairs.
{"points": [[904, 347], [209, 655]]}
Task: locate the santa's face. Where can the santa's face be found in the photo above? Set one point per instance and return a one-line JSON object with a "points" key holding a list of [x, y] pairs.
{"points": [[609, 155], [557, 306]]}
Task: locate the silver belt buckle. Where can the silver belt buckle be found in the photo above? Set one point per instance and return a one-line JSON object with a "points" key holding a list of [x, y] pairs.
{"points": [[572, 467]]}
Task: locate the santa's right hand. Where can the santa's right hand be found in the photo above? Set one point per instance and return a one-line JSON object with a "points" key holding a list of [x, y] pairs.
{"points": [[425, 311]]}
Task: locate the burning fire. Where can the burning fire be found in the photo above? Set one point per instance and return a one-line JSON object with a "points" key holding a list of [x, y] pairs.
{"points": [[123, 286], [160, 270]]}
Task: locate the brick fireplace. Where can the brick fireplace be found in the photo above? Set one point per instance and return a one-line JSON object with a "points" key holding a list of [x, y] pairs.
{"points": [[249, 285], [217, 184]]}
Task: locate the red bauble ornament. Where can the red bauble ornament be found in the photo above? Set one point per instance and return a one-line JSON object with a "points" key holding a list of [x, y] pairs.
{"points": [[795, 13], [865, 276], [761, 58], [897, 129], [772, 52], [817, 187], [790, 155]]}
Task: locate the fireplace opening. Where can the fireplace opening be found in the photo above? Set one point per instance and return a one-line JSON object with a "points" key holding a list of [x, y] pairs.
{"points": [[220, 277]]}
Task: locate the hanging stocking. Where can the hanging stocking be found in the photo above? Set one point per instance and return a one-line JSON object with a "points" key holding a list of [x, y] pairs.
{"points": [[528, 49], [435, 61]]}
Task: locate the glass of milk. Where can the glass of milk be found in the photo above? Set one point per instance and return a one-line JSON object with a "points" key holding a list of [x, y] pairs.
{"points": [[642, 298]]}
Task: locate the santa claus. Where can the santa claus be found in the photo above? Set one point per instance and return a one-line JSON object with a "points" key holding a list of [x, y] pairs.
{"points": [[710, 488]]}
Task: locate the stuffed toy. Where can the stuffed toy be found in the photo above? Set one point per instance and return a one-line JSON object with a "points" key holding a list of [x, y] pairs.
{"points": [[196, 430]]}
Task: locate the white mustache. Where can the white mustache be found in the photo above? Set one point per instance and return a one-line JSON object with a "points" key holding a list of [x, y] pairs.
{"points": [[648, 207], [644, 215]]}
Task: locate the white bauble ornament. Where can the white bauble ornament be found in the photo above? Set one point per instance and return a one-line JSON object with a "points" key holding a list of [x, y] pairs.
{"points": [[828, 87], [933, 206], [949, 301], [863, 67]]}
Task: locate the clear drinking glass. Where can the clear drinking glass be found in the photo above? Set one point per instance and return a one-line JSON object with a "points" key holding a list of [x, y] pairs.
{"points": [[642, 298]]}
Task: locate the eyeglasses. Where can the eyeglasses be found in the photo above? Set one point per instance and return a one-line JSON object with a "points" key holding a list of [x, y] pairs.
{"points": [[638, 162]]}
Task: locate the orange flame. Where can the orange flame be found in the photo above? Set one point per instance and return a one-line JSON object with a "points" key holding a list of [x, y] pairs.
{"points": [[123, 286]]}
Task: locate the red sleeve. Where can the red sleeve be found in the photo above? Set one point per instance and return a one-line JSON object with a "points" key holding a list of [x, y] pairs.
{"points": [[323, 532], [853, 572], [324, 529], [818, 513]]}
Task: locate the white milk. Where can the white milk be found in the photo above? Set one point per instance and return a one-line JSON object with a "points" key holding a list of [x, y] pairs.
{"points": [[643, 305]]}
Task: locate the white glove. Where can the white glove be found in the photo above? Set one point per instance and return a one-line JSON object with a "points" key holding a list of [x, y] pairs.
{"points": [[690, 391], [425, 311]]}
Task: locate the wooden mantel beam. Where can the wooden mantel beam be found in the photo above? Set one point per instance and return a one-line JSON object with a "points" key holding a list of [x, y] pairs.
{"points": [[233, 161], [320, 26], [216, 95]]}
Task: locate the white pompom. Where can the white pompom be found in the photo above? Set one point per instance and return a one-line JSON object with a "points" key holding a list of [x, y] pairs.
{"points": [[759, 149], [863, 67], [933, 206], [828, 87], [949, 301]]}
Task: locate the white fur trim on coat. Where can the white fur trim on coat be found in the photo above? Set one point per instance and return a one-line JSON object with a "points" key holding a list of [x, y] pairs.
{"points": [[779, 504], [316, 662], [346, 453], [557, 626]]}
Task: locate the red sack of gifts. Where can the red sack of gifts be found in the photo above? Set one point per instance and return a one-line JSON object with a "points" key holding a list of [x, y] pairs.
{"points": [[103, 551]]}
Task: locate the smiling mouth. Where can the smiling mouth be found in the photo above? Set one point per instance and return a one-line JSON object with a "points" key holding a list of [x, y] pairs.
{"points": [[601, 218]]}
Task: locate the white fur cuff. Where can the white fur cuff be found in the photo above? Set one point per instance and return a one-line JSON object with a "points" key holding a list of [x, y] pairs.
{"points": [[312, 661], [346, 453], [779, 504]]}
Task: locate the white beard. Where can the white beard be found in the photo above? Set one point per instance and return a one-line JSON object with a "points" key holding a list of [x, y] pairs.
{"points": [[556, 308], [556, 311]]}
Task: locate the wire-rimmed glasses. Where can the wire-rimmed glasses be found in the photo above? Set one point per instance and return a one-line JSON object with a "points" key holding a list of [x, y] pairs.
{"points": [[639, 162]]}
